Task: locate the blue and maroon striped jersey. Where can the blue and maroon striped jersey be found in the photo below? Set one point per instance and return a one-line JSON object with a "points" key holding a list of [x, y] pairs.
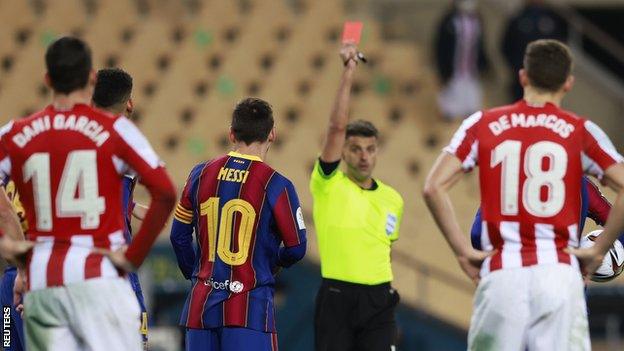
{"points": [[129, 182], [247, 222]]}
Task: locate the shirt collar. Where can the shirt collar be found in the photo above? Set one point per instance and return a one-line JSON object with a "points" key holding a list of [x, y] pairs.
{"points": [[248, 157]]}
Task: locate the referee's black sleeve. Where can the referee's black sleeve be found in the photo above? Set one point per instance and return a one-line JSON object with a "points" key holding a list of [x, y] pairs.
{"points": [[328, 167]]}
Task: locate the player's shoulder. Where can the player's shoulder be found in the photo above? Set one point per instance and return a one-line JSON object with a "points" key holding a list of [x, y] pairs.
{"points": [[582, 124], [280, 178], [198, 169], [17, 123], [570, 116], [277, 182], [264, 171], [209, 166], [5, 129]]}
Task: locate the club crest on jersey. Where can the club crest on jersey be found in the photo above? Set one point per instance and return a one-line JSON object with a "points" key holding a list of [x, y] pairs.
{"points": [[391, 222], [236, 287], [300, 221]]}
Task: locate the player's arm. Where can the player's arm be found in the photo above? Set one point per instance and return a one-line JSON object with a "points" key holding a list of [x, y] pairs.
{"points": [[459, 156], [181, 235], [599, 207], [10, 226], [290, 224], [134, 149], [599, 155], [339, 118], [13, 247], [12, 243], [139, 211], [592, 257], [443, 176], [9, 221]]}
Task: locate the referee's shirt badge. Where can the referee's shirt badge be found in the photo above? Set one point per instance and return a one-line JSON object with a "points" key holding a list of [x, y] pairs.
{"points": [[391, 221]]}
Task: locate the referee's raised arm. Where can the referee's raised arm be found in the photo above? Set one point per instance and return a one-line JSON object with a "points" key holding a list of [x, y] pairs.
{"points": [[357, 219], [339, 118]]}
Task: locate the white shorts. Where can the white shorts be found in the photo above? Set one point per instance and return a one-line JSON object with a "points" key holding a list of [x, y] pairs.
{"points": [[97, 314], [538, 307]]}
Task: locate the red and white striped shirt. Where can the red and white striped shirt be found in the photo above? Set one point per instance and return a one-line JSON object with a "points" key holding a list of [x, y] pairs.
{"points": [[531, 161], [68, 167]]}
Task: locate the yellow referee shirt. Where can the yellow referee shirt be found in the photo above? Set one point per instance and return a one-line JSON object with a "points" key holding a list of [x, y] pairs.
{"points": [[355, 227]]}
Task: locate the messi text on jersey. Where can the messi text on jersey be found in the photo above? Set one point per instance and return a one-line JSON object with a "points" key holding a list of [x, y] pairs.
{"points": [[233, 175]]}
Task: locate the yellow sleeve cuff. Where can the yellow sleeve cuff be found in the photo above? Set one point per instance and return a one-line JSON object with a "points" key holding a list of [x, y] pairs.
{"points": [[183, 215]]}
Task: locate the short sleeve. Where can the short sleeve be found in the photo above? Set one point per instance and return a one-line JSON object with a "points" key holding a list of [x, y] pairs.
{"points": [[598, 151], [465, 144], [393, 222], [133, 150], [319, 181]]}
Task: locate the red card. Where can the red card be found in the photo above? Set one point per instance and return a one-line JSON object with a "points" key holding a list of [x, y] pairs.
{"points": [[352, 32]]}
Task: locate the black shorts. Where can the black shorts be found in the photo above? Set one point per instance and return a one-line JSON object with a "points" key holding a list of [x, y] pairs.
{"points": [[354, 317]]}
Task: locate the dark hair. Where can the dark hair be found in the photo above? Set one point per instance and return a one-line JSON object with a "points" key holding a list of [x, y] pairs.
{"points": [[362, 128], [252, 120], [68, 61], [112, 87], [548, 64]]}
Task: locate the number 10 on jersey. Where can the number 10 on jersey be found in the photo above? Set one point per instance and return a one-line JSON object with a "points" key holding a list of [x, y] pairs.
{"points": [[220, 237]]}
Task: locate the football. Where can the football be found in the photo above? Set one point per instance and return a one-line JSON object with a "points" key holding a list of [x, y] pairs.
{"points": [[613, 262]]}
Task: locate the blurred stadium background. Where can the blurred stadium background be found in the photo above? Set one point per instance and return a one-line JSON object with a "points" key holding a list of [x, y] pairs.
{"points": [[192, 60]]}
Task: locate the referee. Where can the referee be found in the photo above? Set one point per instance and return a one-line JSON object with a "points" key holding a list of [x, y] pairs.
{"points": [[357, 219]]}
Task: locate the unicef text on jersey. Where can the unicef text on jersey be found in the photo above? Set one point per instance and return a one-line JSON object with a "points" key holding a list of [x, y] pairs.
{"points": [[233, 286]]}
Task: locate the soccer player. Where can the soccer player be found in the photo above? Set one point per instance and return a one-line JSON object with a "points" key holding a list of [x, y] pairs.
{"points": [[112, 93], [248, 224], [532, 155], [67, 162], [16, 342], [357, 219]]}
